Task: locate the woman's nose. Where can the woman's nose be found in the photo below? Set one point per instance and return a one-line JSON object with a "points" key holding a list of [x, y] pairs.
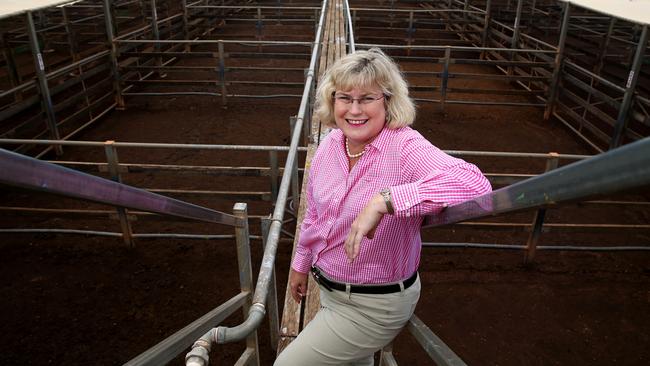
{"points": [[355, 107]]}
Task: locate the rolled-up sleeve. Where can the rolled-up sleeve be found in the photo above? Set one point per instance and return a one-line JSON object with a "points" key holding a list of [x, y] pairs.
{"points": [[436, 180]]}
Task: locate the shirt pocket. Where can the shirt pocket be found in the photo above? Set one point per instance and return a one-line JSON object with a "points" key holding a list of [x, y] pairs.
{"points": [[379, 180]]}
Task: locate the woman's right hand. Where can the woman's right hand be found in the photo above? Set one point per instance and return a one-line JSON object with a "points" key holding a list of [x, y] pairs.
{"points": [[298, 285]]}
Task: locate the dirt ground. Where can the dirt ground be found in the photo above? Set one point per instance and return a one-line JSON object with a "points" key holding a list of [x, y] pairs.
{"points": [[79, 300]]}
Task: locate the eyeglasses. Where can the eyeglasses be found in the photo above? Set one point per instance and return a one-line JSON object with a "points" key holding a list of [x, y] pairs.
{"points": [[366, 99]]}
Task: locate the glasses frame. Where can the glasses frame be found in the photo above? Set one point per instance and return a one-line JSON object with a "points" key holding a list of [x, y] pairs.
{"points": [[348, 100]]}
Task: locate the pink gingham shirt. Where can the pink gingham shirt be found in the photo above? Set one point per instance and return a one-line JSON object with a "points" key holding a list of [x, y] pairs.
{"points": [[422, 180]]}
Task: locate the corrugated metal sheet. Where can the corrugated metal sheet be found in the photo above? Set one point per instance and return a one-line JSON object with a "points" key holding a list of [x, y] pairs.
{"points": [[15, 7], [637, 11]]}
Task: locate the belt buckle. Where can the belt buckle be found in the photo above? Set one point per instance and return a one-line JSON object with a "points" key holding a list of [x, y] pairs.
{"points": [[317, 276]]}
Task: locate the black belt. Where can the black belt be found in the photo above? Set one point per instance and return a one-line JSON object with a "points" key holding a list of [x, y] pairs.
{"points": [[362, 289]]}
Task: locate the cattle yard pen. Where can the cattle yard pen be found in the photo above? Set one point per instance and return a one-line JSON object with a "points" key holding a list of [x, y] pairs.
{"points": [[68, 70]]}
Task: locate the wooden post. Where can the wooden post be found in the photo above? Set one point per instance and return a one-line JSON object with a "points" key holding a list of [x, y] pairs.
{"points": [[445, 78], [409, 34], [122, 213], [538, 221], [186, 32], [222, 75], [486, 27], [156, 36], [273, 174]]}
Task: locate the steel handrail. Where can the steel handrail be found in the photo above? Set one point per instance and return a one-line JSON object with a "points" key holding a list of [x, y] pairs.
{"points": [[350, 26], [617, 170], [27, 172]]}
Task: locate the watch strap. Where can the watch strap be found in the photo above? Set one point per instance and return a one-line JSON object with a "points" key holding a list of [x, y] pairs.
{"points": [[385, 193]]}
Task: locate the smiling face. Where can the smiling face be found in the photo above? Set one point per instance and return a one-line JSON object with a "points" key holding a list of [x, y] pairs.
{"points": [[363, 118]]}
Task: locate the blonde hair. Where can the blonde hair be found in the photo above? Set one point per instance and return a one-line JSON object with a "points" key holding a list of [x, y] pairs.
{"points": [[366, 70]]}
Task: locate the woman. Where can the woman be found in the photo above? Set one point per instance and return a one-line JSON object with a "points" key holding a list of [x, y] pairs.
{"points": [[371, 182]]}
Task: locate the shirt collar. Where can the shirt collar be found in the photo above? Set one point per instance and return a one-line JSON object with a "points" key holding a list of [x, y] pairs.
{"points": [[380, 142]]}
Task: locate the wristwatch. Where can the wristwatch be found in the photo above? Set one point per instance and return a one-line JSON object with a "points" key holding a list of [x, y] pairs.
{"points": [[387, 199]]}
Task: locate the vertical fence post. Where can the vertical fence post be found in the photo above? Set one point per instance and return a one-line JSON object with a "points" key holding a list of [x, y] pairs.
{"points": [[156, 36], [295, 187], [386, 357], [465, 17], [409, 33], [538, 220], [445, 78], [630, 87], [122, 213], [273, 174], [46, 98], [186, 31], [514, 42], [557, 70], [486, 27], [272, 298], [246, 272], [531, 19], [222, 75], [14, 76], [108, 19], [258, 28], [72, 42], [604, 45]]}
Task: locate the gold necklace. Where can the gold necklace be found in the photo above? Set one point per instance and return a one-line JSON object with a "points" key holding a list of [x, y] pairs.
{"points": [[347, 150]]}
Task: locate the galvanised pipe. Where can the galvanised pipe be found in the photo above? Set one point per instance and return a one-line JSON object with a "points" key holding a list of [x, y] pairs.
{"points": [[271, 148], [633, 77], [623, 168], [348, 18], [44, 90], [454, 48], [119, 100], [23, 171], [541, 247], [559, 60], [213, 41], [151, 145]]}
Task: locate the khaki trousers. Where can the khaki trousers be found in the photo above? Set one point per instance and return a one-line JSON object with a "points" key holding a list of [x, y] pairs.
{"points": [[349, 328]]}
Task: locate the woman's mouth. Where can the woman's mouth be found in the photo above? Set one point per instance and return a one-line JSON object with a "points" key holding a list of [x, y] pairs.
{"points": [[357, 122]]}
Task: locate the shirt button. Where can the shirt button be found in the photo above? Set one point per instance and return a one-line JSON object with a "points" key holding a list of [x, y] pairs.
{"points": [[408, 203], [408, 214]]}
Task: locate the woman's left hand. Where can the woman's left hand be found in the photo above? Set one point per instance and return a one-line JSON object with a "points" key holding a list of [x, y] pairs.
{"points": [[364, 225]]}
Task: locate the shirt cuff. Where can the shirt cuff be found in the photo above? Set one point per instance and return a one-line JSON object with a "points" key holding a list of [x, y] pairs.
{"points": [[301, 260], [405, 199], [408, 201]]}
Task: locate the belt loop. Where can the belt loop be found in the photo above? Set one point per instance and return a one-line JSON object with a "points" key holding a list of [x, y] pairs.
{"points": [[348, 287], [401, 288]]}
